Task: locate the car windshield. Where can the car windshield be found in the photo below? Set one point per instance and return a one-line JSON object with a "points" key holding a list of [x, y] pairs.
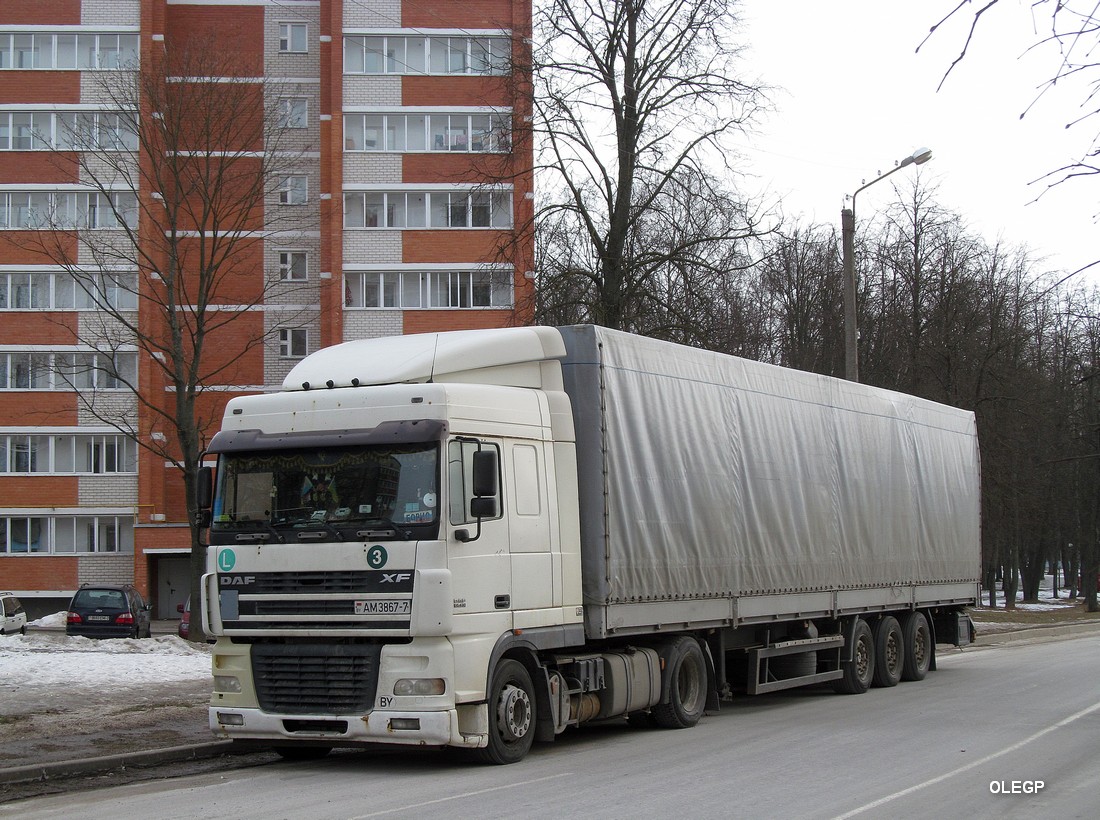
{"points": [[327, 487]]}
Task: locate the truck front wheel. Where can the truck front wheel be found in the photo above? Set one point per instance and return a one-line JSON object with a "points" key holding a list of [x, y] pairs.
{"points": [[687, 686], [511, 715]]}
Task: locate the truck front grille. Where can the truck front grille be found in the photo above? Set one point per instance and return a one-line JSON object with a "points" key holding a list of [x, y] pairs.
{"points": [[330, 679]]}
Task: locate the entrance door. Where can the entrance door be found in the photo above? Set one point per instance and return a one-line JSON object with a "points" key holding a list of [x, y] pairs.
{"points": [[173, 585]]}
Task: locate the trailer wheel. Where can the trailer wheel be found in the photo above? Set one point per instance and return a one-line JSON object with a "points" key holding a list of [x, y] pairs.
{"points": [[687, 686], [512, 716], [302, 752], [889, 652], [917, 640], [860, 670]]}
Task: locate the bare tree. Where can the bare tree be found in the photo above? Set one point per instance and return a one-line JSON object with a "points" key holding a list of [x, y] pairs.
{"points": [[1068, 33], [183, 176], [633, 101]]}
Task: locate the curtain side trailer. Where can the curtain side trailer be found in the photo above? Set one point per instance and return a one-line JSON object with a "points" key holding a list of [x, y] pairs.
{"points": [[483, 538]]}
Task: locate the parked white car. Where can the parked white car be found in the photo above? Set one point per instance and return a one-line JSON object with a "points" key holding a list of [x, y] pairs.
{"points": [[14, 618]]}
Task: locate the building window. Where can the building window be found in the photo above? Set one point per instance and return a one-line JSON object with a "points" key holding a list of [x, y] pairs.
{"points": [[67, 210], [20, 370], [415, 54], [293, 112], [411, 290], [63, 454], [293, 38], [63, 290], [428, 209], [293, 343], [66, 533], [474, 133], [293, 266], [73, 51], [294, 190]]}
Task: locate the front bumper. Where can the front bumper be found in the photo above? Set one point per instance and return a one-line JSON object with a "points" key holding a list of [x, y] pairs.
{"points": [[390, 727]]}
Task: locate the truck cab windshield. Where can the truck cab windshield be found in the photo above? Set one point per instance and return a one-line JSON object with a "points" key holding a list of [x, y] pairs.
{"points": [[339, 490]]}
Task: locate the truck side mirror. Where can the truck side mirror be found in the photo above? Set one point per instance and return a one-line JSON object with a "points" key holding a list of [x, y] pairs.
{"points": [[204, 494], [486, 472], [486, 486]]}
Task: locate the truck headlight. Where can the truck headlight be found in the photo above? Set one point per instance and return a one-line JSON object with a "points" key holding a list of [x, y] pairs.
{"points": [[227, 683], [420, 686]]}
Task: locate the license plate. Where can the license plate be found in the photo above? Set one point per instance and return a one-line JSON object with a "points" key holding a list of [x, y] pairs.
{"points": [[99, 617], [383, 607]]}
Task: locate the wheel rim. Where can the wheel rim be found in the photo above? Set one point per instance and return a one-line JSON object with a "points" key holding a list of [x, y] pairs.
{"points": [[863, 659], [920, 648], [893, 652], [514, 713]]}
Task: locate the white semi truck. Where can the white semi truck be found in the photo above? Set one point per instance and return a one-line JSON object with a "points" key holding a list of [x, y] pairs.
{"points": [[482, 538]]}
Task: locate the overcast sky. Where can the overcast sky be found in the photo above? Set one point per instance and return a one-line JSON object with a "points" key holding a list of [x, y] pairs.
{"points": [[854, 97]]}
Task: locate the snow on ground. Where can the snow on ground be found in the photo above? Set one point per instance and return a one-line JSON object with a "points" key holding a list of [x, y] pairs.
{"points": [[53, 658]]}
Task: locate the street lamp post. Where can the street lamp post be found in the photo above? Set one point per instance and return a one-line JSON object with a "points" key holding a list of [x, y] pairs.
{"points": [[848, 237]]}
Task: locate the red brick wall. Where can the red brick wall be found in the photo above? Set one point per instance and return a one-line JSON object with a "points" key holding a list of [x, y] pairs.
{"points": [[40, 13], [25, 247], [38, 329], [456, 91], [457, 14], [460, 246], [39, 491], [40, 86], [37, 572], [430, 321], [53, 409], [455, 168], [234, 32], [37, 166]]}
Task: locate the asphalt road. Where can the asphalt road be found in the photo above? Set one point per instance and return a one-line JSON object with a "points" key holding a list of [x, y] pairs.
{"points": [[974, 739]]}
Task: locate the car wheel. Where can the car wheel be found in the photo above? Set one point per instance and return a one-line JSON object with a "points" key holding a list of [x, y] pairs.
{"points": [[512, 715], [687, 686]]}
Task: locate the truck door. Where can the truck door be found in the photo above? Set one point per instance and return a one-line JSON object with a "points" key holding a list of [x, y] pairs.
{"points": [[481, 573], [533, 581]]}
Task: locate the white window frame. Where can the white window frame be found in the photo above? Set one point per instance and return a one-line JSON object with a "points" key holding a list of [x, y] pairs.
{"points": [[454, 55], [293, 343], [293, 112], [421, 290], [287, 38], [287, 257], [294, 190]]}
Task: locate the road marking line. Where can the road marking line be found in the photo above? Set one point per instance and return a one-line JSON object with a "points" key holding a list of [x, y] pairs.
{"points": [[465, 794], [1014, 747]]}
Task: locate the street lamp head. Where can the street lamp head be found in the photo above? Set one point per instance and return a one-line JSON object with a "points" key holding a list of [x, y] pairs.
{"points": [[918, 157]]}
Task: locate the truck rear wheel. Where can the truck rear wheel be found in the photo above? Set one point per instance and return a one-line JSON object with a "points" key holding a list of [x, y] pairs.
{"points": [[889, 652], [511, 715], [917, 640], [860, 670], [687, 685]]}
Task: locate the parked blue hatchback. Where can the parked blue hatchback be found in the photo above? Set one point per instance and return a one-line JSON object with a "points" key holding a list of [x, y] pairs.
{"points": [[108, 611]]}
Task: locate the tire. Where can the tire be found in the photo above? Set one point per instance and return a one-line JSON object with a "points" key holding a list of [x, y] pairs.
{"points": [[889, 652], [860, 670], [917, 640], [798, 665], [687, 686], [302, 752], [512, 715]]}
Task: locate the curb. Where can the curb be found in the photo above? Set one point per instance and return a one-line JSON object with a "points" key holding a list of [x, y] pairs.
{"points": [[68, 768], [1034, 633]]}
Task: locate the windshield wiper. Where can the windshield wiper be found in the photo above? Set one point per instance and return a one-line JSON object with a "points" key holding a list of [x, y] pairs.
{"points": [[331, 530], [389, 528]]}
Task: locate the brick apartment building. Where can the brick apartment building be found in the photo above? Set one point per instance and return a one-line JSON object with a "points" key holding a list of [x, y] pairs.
{"points": [[413, 173]]}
